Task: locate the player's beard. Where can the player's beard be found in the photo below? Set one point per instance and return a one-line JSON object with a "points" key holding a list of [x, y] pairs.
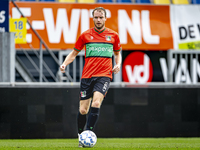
{"points": [[99, 27]]}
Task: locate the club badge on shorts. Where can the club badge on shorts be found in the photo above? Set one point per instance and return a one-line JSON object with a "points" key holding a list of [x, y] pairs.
{"points": [[83, 93]]}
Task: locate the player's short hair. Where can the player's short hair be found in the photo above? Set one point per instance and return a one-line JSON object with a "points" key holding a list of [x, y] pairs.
{"points": [[99, 9]]}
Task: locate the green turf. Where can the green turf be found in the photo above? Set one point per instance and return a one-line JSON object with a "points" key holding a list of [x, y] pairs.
{"points": [[104, 144]]}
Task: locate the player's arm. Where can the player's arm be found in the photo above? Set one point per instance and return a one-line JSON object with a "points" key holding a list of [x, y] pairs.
{"points": [[70, 58], [118, 60]]}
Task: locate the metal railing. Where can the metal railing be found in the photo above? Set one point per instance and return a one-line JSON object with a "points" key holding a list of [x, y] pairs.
{"points": [[39, 54], [75, 76]]}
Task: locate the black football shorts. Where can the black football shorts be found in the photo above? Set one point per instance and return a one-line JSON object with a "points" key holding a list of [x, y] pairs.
{"points": [[90, 85]]}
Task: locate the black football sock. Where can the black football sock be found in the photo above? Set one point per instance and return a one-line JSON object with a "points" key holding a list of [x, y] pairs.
{"points": [[81, 121], [93, 117]]}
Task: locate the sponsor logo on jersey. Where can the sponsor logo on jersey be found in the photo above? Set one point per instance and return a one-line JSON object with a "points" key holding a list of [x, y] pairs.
{"points": [[99, 50]]}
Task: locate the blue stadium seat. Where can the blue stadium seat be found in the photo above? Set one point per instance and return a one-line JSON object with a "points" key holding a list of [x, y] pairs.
{"points": [[105, 1], [195, 2], [124, 1], [143, 1]]}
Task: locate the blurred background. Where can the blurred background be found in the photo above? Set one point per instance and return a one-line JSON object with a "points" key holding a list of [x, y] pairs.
{"points": [[156, 93]]}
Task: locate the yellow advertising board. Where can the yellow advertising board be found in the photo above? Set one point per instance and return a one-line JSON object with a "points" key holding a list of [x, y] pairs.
{"points": [[19, 27]]}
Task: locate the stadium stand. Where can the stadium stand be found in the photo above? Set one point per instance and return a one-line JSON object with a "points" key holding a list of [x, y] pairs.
{"points": [[195, 2], [162, 2], [124, 1], [104, 1], [142, 1], [67, 1], [180, 2], [86, 1]]}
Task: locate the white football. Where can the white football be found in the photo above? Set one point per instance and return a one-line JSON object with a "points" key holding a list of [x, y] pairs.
{"points": [[87, 138]]}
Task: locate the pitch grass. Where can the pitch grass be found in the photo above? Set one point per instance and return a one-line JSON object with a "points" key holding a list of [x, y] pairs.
{"points": [[104, 144]]}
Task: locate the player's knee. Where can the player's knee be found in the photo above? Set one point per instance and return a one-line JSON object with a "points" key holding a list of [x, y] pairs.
{"points": [[96, 104], [83, 111]]}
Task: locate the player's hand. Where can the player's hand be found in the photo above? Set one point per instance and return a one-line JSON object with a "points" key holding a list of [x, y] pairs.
{"points": [[116, 69], [62, 68]]}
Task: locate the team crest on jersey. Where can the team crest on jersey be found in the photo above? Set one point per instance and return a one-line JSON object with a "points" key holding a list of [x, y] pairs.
{"points": [[92, 38], [83, 93], [108, 38]]}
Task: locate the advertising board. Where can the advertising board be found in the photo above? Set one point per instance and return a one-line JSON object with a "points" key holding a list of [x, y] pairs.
{"points": [[59, 24]]}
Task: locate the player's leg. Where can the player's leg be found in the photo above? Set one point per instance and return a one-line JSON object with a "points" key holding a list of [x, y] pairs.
{"points": [[100, 89], [84, 105], [83, 110], [94, 110]]}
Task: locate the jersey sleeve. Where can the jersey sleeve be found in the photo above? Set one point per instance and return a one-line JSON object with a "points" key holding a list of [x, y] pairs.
{"points": [[117, 46], [79, 43]]}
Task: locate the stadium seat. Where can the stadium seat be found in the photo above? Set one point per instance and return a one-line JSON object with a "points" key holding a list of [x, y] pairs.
{"points": [[86, 1], [180, 2], [47, 0], [162, 2], [124, 1], [67, 1], [28, 0], [195, 2], [105, 1], [143, 1]]}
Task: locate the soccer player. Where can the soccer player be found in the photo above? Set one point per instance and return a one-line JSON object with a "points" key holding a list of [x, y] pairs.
{"points": [[100, 43]]}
